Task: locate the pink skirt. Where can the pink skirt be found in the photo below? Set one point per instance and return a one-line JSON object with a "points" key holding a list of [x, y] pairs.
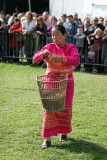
{"points": [[59, 122]]}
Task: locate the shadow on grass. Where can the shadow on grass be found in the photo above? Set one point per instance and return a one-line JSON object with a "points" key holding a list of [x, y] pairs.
{"points": [[22, 64], [79, 146], [21, 89]]}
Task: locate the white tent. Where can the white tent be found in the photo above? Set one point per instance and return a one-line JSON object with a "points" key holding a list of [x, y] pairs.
{"points": [[84, 8], [99, 8]]}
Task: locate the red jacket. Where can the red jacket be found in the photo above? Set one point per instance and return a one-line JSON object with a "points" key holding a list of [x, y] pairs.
{"points": [[98, 43], [16, 30]]}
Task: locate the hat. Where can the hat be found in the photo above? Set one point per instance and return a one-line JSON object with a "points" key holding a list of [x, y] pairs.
{"points": [[80, 26]]}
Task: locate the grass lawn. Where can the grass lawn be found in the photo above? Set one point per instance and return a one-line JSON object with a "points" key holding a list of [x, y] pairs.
{"points": [[21, 117]]}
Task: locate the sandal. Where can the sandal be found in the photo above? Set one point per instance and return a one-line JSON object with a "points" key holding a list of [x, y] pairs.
{"points": [[46, 144], [63, 138]]}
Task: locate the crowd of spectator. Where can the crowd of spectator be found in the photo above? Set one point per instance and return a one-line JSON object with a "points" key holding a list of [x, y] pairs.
{"points": [[89, 36]]}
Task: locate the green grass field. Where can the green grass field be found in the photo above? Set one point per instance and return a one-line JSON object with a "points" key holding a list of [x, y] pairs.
{"points": [[21, 116]]}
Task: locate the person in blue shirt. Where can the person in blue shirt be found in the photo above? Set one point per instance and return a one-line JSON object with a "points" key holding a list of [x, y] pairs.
{"points": [[71, 30]]}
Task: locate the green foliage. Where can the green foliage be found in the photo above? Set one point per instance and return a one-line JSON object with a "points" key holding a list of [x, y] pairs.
{"points": [[21, 117]]}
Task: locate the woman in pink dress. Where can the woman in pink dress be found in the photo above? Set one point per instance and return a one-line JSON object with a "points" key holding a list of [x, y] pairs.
{"points": [[60, 58]]}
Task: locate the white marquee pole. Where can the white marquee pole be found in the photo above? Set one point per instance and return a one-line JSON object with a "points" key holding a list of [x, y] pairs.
{"points": [[29, 4]]}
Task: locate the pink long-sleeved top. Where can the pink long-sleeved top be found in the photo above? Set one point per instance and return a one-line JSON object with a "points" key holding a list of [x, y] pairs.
{"points": [[69, 54]]}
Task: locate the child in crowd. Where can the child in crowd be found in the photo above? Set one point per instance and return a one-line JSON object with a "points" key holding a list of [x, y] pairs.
{"points": [[91, 54], [79, 37], [104, 49], [97, 44]]}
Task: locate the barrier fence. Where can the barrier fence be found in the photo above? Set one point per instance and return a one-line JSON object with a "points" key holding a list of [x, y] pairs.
{"points": [[18, 48]]}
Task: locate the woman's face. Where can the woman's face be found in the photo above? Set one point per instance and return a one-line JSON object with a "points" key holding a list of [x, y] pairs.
{"points": [[57, 37], [39, 21], [28, 16], [16, 22], [86, 24]]}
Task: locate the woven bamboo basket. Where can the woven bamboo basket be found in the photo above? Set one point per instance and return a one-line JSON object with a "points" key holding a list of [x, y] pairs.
{"points": [[52, 91]]}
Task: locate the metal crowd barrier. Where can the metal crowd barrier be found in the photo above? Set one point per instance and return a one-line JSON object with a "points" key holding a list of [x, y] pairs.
{"points": [[22, 48], [96, 64]]}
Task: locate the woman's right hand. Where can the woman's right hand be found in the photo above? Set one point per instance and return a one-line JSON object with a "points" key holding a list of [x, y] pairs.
{"points": [[11, 31], [46, 53]]}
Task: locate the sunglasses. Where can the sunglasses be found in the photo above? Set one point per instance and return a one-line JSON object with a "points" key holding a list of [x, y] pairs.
{"points": [[95, 20]]}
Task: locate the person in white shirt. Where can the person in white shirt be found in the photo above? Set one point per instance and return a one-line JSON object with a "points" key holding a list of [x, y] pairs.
{"points": [[45, 18], [28, 27], [28, 24], [64, 20]]}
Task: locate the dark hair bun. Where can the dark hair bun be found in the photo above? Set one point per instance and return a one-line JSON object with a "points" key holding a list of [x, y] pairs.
{"points": [[61, 28]]}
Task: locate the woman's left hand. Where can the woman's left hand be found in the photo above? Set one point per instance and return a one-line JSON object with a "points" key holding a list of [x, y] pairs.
{"points": [[56, 58], [39, 32]]}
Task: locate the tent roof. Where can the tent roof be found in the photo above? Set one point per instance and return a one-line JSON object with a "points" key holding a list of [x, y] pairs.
{"points": [[84, 8], [99, 2]]}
